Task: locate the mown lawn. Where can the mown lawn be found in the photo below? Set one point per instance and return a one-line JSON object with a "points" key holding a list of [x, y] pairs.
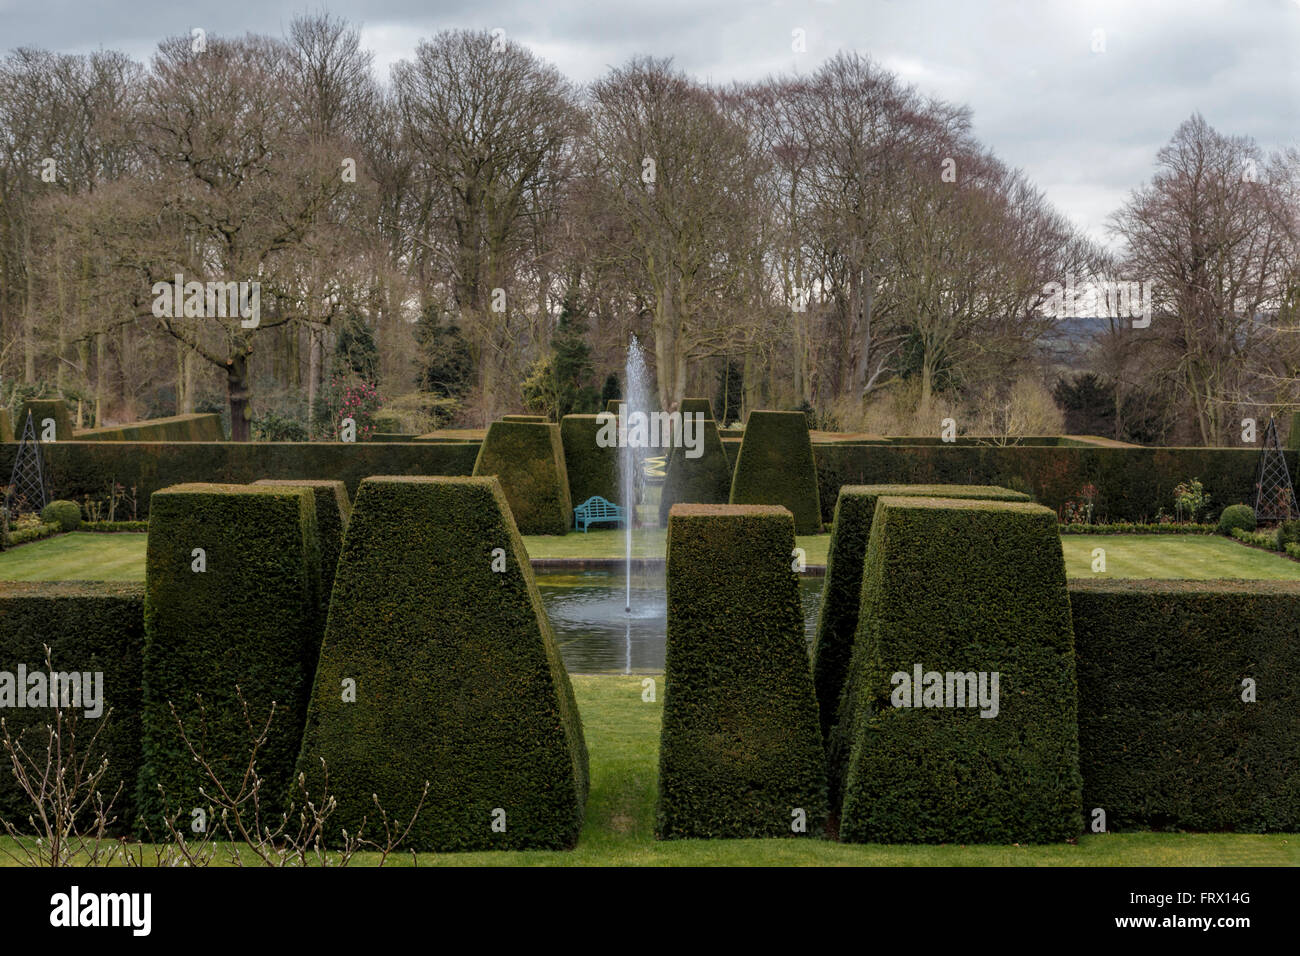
{"points": [[622, 732], [83, 556]]}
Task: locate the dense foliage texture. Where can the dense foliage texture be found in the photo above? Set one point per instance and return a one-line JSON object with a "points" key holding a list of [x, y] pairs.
{"points": [[776, 467]]}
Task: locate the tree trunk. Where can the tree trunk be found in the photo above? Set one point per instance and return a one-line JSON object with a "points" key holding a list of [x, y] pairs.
{"points": [[238, 390]]}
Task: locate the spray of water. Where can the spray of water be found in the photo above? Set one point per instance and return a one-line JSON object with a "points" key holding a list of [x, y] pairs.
{"points": [[636, 399]]}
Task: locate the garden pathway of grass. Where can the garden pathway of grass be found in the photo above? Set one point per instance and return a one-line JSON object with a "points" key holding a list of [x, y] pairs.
{"points": [[85, 556]]}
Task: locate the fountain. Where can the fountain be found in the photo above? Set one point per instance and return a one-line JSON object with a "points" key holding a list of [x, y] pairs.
{"points": [[636, 399]]}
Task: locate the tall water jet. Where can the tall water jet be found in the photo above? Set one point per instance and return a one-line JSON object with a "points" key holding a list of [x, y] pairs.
{"points": [[636, 399]]}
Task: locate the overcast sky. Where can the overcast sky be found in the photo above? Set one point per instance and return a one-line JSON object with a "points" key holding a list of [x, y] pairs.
{"points": [[1084, 123]]}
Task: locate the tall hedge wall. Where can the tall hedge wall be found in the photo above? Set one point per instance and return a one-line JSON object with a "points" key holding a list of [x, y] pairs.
{"points": [[702, 480], [333, 510], [458, 677], [837, 621], [75, 469], [775, 466], [41, 409], [690, 406], [250, 619], [528, 458], [963, 587], [739, 749], [6, 426], [1165, 739], [89, 626], [1131, 483], [204, 426], [591, 469]]}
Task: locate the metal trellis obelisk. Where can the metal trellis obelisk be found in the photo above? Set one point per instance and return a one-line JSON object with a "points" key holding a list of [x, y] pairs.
{"points": [[1274, 494], [27, 482]]}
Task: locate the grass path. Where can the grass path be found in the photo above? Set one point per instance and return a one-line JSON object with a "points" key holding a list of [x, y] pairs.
{"points": [[85, 556]]}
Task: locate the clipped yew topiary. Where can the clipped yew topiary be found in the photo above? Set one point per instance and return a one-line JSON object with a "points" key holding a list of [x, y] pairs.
{"points": [[91, 628], [232, 598], [837, 620], [203, 426], [458, 679], [775, 467], [591, 469], [928, 748], [43, 410], [525, 418], [66, 514], [702, 480], [740, 754], [1237, 517], [528, 459], [332, 513], [1171, 735]]}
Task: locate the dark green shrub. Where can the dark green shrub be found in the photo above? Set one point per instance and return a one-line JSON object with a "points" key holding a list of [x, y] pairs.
{"points": [[250, 620], [1237, 516], [458, 678], [1132, 484], [739, 748], [528, 458], [66, 514], [1288, 532], [591, 469], [837, 621], [526, 418], [332, 513], [690, 406], [90, 627], [115, 527], [42, 409], [702, 480], [79, 468], [35, 533], [960, 587], [204, 426], [775, 466], [6, 426], [1166, 740]]}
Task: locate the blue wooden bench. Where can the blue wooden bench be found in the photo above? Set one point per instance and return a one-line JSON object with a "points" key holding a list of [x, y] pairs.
{"points": [[596, 509]]}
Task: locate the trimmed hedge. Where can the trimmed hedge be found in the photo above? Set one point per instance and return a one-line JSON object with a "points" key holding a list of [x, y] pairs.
{"points": [[1237, 517], [66, 514], [528, 459], [75, 469], [775, 466], [115, 527], [1132, 483], [591, 470], [458, 677], [41, 409], [203, 426], [1128, 527], [965, 587], [702, 480], [37, 533], [526, 418], [690, 406], [837, 620], [250, 620], [1165, 739], [739, 745], [6, 426], [89, 626], [333, 509]]}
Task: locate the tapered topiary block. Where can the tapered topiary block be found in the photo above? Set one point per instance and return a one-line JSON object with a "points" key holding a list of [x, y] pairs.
{"points": [[837, 621], [740, 752], [958, 722], [51, 417], [528, 459], [699, 475], [592, 468], [232, 600], [439, 665], [775, 467], [333, 510]]}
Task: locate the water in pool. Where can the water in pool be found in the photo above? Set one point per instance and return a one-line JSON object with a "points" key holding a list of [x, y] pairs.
{"points": [[596, 634]]}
